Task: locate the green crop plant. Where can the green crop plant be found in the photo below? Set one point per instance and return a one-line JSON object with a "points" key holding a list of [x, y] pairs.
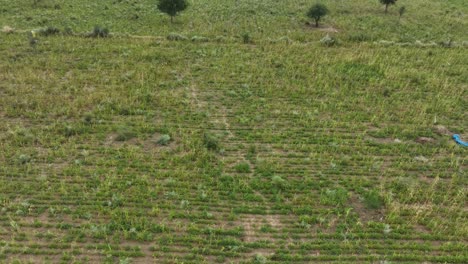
{"points": [[242, 167]]}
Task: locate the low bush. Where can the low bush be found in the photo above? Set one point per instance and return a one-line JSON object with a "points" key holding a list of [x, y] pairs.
{"points": [[176, 37], [99, 32]]}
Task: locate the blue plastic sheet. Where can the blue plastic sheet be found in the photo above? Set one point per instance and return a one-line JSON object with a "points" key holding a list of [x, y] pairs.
{"points": [[457, 139]]}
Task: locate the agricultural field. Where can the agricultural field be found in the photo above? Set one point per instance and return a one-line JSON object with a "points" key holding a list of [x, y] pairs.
{"points": [[239, 133]]}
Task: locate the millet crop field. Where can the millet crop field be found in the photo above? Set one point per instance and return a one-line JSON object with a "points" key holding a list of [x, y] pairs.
{"points": [[238, 133]]}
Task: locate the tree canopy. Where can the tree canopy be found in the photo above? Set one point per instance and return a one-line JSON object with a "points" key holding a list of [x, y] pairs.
{"points": [[172, 7], [316, 12]]}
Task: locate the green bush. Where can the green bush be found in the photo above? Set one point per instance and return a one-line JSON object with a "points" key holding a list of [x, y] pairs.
{"points": [[373, 200], [242, 167], [200, 39], [164, 140], [211, 142], [23, 159], [278, 182], [48, 31], [124, 134], [176, 37], [246, 38], [334, 197], [328, 41], [99, 32]]}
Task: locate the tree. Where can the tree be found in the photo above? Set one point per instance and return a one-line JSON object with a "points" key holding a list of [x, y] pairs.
{"points": [[387, 3], [316, 12], [172, 7]]}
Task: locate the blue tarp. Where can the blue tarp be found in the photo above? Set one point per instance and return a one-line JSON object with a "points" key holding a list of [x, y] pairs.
{"points": [[457, 139]]}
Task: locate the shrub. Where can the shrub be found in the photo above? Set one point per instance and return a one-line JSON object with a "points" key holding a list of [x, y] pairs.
{"points": [[328, 41], [124, 134], [68, 31], [260, 259], [164, 140], [373, 200], [199, 39], [48, 31], [176, 37], [242, 167], [278, 182], [246, 38], [317, 12], [447, 43], [99, 32], [210, 142], [88, 118], [69, 131], [172, 7], [23, 159], [334, 197]]}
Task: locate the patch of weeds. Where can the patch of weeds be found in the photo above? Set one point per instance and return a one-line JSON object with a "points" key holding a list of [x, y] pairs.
{"points": [[211, 142], [279, 182], [164, 140], [23, 136], [264, 168], [68, 31], [266, 228], [176, 37], [48, 31], [334, 197], [125, 261], [88, 118], [446, 43], [242, 167], [355, 71], [200, 39], [329, 41], [247, 38], [360, 37], [260, 259], [23, 159], [99, 32], [124, 134], [373, 200], [115, 201], [251, 151], [69, 131]]}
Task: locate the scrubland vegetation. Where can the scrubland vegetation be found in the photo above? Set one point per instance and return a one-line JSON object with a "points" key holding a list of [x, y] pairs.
{"points": [[239, 133]]}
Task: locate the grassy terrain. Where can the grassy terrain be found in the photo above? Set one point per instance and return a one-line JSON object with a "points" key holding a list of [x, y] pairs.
{"points": [[356, 20], [138, 149]]}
